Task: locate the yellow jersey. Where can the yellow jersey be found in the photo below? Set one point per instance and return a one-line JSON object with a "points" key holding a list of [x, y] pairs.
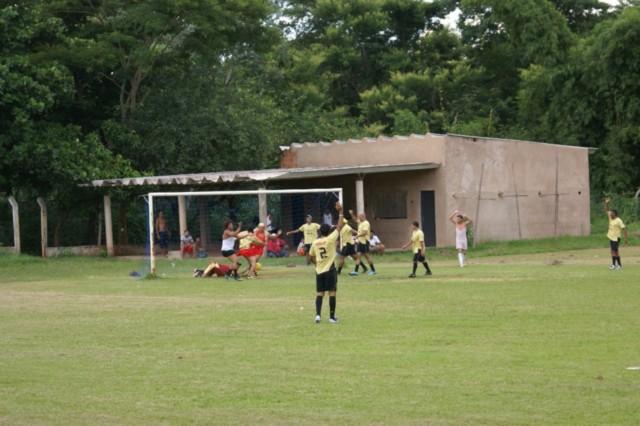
{"points": [[324, 251], [417, 238], [615, 228], [346, 235], [364, 227], [310, 231]]}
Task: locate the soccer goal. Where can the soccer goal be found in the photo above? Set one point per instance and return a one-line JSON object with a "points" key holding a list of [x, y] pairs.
{"points": [[203, 213]]}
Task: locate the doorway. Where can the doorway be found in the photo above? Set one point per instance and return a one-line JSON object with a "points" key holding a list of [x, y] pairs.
{"points": [[428, 217]]}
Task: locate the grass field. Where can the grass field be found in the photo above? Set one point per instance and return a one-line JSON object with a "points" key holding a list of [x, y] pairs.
{"points": [[539, 337]]}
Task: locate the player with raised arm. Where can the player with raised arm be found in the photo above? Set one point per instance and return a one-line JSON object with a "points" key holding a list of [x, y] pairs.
{"points": [[310, 232], [616, 226], [348, 248], [363, 236], [228, 251], [323, 255], [417, 244], [461, 221]]}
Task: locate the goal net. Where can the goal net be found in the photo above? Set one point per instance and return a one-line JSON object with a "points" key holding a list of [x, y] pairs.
{"points": [[203, 214]]}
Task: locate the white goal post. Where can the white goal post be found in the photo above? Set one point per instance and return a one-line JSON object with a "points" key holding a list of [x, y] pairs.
{"points": [[261, 193]]}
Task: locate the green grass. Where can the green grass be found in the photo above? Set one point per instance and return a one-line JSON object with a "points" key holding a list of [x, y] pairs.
{"points": [[535, 337]]}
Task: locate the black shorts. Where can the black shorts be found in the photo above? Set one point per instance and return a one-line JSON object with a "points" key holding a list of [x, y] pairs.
{"points": [[348, 250], [327, 281], [614, 244], [163, 239], [418, 256], [363, 248], [227, 253]]}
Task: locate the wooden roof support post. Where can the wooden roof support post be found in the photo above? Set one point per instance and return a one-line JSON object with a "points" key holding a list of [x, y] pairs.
{"points": [[16, 224], [182, 214], [108, 225], [262, 207], [360, 195], [43, 226]]}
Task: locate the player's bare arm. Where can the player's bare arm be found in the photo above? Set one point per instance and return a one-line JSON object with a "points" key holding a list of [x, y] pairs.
{"points": [[353, 216], [340, 217]]}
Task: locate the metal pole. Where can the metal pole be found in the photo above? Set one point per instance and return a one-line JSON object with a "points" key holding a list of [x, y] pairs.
{"points": [[475, 237], [152, 237], [16, 224], [108, 225], [43, 226]]}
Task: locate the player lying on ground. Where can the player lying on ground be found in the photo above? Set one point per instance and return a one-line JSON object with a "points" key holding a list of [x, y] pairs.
{"points": [[216, 269]]}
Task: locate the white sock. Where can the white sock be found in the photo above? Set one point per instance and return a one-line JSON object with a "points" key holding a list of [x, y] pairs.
{"points": [[461, 259]]}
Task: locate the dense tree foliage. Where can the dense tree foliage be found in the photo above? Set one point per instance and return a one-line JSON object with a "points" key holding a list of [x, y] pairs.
{"points": [[104, 88]]}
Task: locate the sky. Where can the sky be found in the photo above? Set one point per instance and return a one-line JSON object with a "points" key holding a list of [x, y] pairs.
{"points": [[452, 19]]}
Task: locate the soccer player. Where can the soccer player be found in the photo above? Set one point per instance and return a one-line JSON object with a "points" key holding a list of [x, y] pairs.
{"points": [[364, 233], [228, 251], [417, 244], [251, 248], [212, 269], [323, 255], [310, 232], [187, 245], [348, 248], [461, 221], [615, 229]]}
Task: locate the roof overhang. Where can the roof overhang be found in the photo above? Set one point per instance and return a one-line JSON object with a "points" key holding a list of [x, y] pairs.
{"points": [[260, 175]]}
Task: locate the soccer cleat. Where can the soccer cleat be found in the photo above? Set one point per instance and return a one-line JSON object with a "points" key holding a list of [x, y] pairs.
{"points": [[619, 267], [353, 273], [372, 272], [612, 267], [333, 320], [412, 275], [197, 273], [237, 278], [428, 273], [228, 277], [317, 319]]}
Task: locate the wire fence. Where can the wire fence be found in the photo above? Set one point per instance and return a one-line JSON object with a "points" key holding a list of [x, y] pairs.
{"points": [[83, 224]]}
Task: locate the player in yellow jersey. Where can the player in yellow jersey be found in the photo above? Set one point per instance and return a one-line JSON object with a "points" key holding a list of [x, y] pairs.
{"points": [[348, 248], [616, 226], [417, 244], [323, 255], [310, 232], [363, 236]]}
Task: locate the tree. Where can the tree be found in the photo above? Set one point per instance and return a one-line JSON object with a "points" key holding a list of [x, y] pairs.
{"points": [[38, 152], [124, 42], [356, 45], [593, 101]]}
